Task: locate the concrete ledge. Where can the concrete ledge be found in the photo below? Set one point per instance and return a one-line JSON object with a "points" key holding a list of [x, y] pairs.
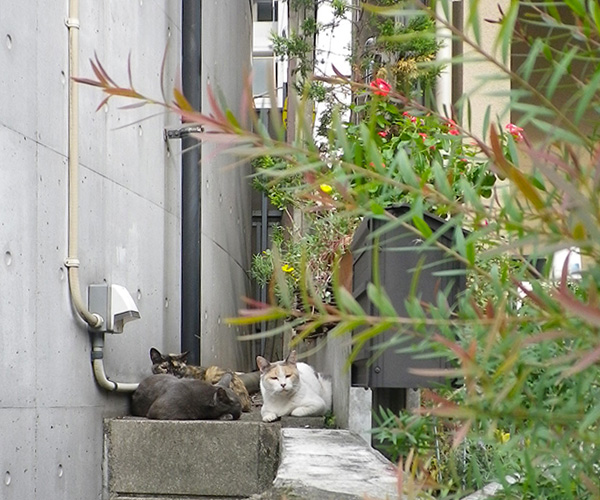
{"points": [[196, 459], [325, 464], [154, 459]]}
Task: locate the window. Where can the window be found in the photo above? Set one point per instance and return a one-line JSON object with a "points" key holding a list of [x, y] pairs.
{"points": [[266, 10], [263, 75]]}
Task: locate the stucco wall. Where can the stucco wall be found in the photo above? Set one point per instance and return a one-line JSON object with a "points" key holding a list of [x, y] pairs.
{"points": [[51, 409]]}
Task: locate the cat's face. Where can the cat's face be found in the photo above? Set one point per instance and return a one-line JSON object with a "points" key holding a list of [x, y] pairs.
{"points": [[173, 364], [281, 377]]}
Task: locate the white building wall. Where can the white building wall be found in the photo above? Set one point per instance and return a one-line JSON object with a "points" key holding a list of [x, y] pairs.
{"points": [[225, 188], [51, 409]]}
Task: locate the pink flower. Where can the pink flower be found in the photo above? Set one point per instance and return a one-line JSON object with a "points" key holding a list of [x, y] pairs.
{"points": [[381, 87], [423, 135], [516, 132], [453, 131], [382, 133]]}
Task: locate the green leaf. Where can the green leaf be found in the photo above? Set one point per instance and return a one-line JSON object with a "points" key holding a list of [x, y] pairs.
{"points": [[577, 6], [561, 68], [406, 169], [232, 119], [376, 208], [486, 121], [381, 301], [422, 226], [534, 52], [473, 20], [551, 130], [507, 28], [361, 338], [589, 93], [441, 181], [470, 252], [594, 9], [347, 302]]}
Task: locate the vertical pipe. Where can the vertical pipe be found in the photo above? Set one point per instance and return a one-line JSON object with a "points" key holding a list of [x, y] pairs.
{"points": [[444, 55], [190, 185], [72, 260]]}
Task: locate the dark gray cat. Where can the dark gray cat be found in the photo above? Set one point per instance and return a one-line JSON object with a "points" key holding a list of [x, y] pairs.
{"points": [[166, 397]]}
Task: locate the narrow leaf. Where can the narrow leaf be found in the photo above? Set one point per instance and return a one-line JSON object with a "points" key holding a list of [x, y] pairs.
{"points": [[181, 101], [559, 71], [590, 91], [380, 299], [422, 226], [347, 302]]}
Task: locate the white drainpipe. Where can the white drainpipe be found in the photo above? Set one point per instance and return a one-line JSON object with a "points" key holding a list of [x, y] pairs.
{"points": [[94, 321]]}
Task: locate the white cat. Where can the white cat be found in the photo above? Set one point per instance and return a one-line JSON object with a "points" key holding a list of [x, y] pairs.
{"points": [[292, 388]]}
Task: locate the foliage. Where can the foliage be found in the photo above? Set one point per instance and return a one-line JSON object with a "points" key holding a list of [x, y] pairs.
{"points": [[527, 355], [404, 52], [434, 148]]}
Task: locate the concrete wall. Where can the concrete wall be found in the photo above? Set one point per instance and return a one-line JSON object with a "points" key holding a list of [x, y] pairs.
{"points": [[225, 193], [51, 409]]}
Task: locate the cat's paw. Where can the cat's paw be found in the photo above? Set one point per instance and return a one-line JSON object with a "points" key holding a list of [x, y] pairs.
{"points": [[269, 417], [303, 411]]}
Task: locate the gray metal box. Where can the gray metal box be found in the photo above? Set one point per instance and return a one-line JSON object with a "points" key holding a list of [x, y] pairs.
{"points": [[400, 253]]}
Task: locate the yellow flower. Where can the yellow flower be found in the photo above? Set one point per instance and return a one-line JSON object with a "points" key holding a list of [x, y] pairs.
{"points": [[287, 269], [502, 436], [326, 188]]}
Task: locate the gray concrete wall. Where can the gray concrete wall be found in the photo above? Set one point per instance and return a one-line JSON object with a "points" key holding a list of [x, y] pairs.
{"points": [[226, 208], [51, 409]]}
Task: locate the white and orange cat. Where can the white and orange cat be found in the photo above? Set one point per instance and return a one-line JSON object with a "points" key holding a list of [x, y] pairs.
{"points": [[292, 388]]}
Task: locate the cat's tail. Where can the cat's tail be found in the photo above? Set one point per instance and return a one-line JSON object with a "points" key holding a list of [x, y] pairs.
{"points": [[327, 389], [251, 381]]}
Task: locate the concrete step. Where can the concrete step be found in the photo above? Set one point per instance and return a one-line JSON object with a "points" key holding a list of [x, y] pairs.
{"points": [[328, 464], [191, 460], [153, 459]]}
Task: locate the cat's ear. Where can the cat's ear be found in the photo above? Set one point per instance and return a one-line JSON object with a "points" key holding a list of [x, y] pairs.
{"points": [[220, 396], [225, 380], [292, 358], [262, 363], [182, 357], [155, 355]]}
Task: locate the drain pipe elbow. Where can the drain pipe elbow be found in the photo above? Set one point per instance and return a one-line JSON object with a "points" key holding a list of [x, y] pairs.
{"points": [[98, 368]]}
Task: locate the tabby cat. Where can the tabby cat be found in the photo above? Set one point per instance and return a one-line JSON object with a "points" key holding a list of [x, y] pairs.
{"points": [[164, 397], [292, 388], [175, 364]]}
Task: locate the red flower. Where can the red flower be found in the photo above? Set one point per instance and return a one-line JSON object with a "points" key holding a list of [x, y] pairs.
{"points": [[382, 133], [516, 132], [413, 119], [423, 135], [380, 87], [453, 131]]}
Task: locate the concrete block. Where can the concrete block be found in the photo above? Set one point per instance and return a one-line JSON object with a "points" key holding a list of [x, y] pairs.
{"points": [[201, 458], [326, 463], [360, 412]]}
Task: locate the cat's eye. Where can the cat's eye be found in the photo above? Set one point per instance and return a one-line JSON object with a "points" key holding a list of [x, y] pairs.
{"points": [[273, 378], [288, 375]]}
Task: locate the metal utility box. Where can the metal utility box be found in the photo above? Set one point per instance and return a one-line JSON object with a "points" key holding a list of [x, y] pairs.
{"points": [[400, 253]]}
